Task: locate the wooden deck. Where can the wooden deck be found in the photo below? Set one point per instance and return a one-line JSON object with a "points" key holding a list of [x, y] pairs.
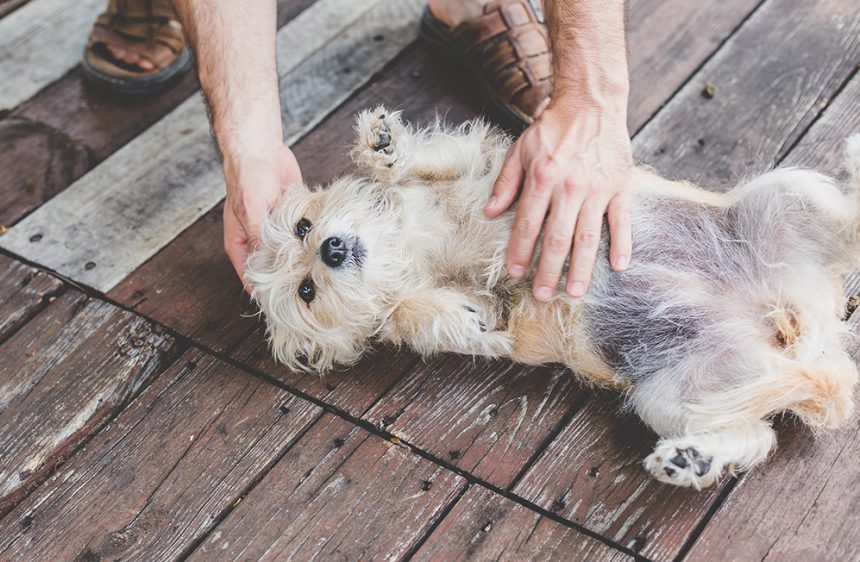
{"points": [[141, 416]]}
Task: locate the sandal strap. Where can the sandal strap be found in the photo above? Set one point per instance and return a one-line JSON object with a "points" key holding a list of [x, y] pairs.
{"points": [[511, 46]]}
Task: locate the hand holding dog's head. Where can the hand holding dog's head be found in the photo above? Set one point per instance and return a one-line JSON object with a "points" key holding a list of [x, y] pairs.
{"points": [[323, 273]]}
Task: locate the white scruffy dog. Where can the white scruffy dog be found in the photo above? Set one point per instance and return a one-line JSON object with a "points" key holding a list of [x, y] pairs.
{"points": [[728, 314]]}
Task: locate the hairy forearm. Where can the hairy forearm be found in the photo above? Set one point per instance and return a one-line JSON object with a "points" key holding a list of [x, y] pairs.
{"points": [[589, 52], [234, 43]]}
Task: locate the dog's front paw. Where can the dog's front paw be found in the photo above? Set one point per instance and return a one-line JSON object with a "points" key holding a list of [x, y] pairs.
{"points": [[682, 464], [378, 134]]}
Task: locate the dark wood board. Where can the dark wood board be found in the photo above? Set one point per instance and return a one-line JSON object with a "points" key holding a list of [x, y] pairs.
{"points": [[771, 80], [350, 389], [592, 474], [338, 494], [486, 417], [62, 376], [9, 6], [164, 472], [800, 505], [23, 292], [191, 287], [71, 126], [486, 526]]}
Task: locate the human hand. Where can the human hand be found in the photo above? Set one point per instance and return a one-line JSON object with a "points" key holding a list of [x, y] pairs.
{"points": [[254, 184], [576, 165]]}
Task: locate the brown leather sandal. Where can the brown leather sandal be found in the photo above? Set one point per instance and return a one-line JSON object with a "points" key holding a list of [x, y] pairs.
{"points": [[147, 28], [506, 49]]}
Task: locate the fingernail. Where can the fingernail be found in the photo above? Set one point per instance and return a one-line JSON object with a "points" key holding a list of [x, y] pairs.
{"points": [[543, 293], [577, 289], [516, 271], [491, 204], [621, 262]]}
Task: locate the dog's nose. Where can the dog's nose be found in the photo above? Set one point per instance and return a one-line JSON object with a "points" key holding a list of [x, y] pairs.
{"points": [[333, 251]]}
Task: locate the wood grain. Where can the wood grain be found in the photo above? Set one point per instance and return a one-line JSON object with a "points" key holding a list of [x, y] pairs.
{"points": [[351, 389], [39, 42], [160, 476], [70, 126], [771, 79], [592, 474], [486, 526], [486, 417], [72, 368], [24, 291], [125, 210], [667, 40], [338, 494], [800, 505]]}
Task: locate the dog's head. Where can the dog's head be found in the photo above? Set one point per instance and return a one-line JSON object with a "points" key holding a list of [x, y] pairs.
{"points": [[324, 272]]}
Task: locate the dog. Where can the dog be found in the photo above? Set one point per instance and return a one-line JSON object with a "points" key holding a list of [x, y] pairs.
{"points": [[729, 313]]}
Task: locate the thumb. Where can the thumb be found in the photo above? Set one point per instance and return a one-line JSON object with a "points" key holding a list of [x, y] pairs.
{"points": [[507, 185]]}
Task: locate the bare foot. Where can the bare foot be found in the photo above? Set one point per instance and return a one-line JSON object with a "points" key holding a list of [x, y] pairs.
{"points": [[452, 12], [131, 58]]}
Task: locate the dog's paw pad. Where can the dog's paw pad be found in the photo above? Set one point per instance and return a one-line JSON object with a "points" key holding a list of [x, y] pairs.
{"points": [[681, 465]]}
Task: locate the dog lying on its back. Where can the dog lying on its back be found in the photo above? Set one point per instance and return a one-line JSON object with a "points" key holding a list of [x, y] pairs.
{"points": [[728, 314]]}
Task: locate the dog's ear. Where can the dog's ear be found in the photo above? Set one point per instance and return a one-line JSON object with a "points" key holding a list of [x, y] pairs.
{"points": [[318, 354]]}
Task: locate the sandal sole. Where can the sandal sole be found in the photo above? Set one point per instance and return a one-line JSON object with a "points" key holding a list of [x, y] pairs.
{"points": [[138, 86]]}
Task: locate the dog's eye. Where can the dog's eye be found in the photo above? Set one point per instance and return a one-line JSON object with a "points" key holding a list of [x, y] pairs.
{"points": [[307, 291], [302, 228]]}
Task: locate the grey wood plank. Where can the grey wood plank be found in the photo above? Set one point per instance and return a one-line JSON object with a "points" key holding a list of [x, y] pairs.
{"points": [[486, 526], [117, 216], [61, 377], [338, 494], [23, 292], [159, 477], [771, 80], [39, 42]]}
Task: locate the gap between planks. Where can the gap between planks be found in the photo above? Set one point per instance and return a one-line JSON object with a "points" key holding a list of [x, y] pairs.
{"points": [[114, 218]]}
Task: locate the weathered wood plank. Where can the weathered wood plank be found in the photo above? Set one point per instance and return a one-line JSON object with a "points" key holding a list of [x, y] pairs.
{"points": [[667, 41], [72, 368], [191, 287], [23, 292], [486, 417], [486, 526], [351, 389], [70, 126], [163, 472], [339, 493], [39, 42], [771, 79], [592, 474], [801, 505], [125, 210]]}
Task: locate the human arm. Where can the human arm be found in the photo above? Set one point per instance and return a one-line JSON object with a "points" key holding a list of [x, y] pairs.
{"points": [[573, 165], [234, 43]]}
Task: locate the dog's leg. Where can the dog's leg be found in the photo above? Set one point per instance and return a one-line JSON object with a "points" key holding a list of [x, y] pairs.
{"points": [[699, 460], [447, 320], [392, 151]]}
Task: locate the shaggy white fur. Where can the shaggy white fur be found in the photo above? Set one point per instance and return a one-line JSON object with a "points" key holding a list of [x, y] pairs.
{"points": [[728, 314]]}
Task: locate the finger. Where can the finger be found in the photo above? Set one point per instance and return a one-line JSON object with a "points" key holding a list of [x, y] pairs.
{"points": [[620, 231], [555, 244], [529, 218], [585, 243], [507, 185], [235, 246]]}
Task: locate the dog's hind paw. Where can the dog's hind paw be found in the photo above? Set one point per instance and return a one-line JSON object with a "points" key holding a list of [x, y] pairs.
{"points": [[682, 464], [378, 132]]}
